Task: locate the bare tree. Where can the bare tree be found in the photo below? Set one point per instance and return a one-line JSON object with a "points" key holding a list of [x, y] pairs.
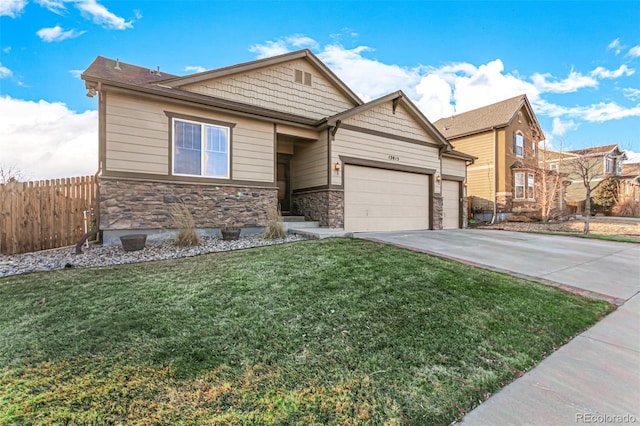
{"points": [[550, 179], [587, 169], [10, 173]]}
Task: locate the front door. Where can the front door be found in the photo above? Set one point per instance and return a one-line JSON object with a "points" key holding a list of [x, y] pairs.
{"points": [[284, 183]]}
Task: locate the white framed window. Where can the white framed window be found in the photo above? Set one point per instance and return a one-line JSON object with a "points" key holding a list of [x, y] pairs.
{"points": [[553, 166], [608, 165], [518, 146], [618, 167], [533, 148], [530, 186], [200, 149], [519, 185]]}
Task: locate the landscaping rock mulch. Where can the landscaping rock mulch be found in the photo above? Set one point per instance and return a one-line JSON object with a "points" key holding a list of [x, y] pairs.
{"points": [[99, 255]]}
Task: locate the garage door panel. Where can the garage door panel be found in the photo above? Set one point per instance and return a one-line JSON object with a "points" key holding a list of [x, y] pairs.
{"points": [[385, 200], [450, 204]]}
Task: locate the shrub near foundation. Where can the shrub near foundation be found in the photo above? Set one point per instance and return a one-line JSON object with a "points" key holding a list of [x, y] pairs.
{"points": [[183, 221], [274, 229]]}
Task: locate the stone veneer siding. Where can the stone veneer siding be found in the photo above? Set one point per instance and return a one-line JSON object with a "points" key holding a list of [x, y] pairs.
{"points": [[143, 205], [437, 211], [324, 206], [465, 209]]}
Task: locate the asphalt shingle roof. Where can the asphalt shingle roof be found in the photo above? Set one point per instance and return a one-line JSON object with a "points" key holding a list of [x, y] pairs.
{"points": [[496, 115]]}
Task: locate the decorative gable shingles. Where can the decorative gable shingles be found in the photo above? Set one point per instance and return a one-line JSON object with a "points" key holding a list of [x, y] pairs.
{"points": [[274, 88], [382, 119]]}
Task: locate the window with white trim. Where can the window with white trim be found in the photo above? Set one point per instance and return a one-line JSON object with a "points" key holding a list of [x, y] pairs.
{"points": [[519, 185], [530, 186], [518, 147], [608, 165], [533, 148], [200, 149]]}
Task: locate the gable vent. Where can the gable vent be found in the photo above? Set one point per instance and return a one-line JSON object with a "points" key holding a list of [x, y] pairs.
{"points": [[302, 77]]}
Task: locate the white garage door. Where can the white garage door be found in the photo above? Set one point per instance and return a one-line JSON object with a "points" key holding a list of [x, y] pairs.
{"points": [[450, 204], [385, 200]]}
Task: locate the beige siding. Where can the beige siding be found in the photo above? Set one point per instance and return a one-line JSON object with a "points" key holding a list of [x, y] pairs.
{"points": [[480, 174], [454, 167], [382, 119], [309, 166], [385, 200], [275, 88], [138, 139], [371, 147]]}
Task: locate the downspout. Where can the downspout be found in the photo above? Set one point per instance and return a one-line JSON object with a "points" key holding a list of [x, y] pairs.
{"points": [[495, 175]]}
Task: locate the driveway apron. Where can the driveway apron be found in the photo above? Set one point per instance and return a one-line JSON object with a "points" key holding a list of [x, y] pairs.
{"points": [[595, 378]]}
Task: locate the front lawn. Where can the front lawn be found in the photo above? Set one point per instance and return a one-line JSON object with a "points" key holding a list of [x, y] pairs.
{"points": [[338, 331]]}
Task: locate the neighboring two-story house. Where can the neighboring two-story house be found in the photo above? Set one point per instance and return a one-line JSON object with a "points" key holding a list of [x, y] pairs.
{"points": [[504, 137], [602, 162]]}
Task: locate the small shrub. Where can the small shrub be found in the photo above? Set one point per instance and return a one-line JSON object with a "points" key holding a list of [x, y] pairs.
{"points": [[627, 207], [274, 229], [184, 223]]}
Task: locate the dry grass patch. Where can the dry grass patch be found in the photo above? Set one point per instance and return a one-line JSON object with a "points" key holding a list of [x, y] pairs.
{"points": [[183, 221]]}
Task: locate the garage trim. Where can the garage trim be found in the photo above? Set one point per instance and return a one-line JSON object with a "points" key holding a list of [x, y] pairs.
{"points": [[384, 165]]}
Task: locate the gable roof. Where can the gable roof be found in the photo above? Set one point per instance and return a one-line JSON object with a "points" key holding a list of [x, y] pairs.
{"points": [[268, 62], [599, 150], [497, 115], [118, 74], [397, 96]]}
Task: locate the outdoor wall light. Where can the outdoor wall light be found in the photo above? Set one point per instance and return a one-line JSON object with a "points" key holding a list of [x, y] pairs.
{"points": [[438, 178], [336, 166]]}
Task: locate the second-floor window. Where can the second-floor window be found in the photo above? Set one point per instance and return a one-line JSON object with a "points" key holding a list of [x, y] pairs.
{"points": [[518, 147], [613, 166]]}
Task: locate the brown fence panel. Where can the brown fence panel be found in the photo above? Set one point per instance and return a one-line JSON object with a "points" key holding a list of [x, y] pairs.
{"points": [[44, 214]]}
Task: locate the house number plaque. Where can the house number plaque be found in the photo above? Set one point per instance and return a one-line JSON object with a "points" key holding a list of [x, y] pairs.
{"points": [[393, 157]]}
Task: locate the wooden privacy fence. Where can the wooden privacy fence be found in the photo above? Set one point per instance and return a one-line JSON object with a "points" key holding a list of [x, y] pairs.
{"points": [[45, 214]]}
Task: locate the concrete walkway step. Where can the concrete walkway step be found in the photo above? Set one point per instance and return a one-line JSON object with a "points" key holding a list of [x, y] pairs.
{"points": [[320, 233], [300, 225], [293, 218]]}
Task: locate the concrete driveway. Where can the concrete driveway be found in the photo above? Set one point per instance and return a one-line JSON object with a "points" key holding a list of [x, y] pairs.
{"points": [[595, 378], [610, 269]]}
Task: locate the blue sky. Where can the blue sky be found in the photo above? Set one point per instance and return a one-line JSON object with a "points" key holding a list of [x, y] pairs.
{"points": [[578, 61]]}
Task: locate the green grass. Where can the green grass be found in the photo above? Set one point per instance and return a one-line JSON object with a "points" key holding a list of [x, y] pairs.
{"points": [[338, 331]]}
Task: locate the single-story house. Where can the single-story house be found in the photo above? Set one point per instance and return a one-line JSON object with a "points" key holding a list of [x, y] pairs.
{"points": [[231, 141]]}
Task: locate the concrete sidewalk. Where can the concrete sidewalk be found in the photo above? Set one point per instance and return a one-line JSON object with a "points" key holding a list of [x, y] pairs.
{"points": [[595, 378]]}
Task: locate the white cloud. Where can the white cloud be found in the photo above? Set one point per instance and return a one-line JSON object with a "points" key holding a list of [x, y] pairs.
{"points": [[615, 46], [632, 157], [631, 93], [488, 84], [55, 34], [47, 140], [596, 113], [381, 78], [7, 49], [194, 68], [560, 128], [55, 6], [102, 16], [435, 96], [634, 51], [76, 73], [601, 72], [4, 71], [283, 45], [572, 83], [12, 8]]}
